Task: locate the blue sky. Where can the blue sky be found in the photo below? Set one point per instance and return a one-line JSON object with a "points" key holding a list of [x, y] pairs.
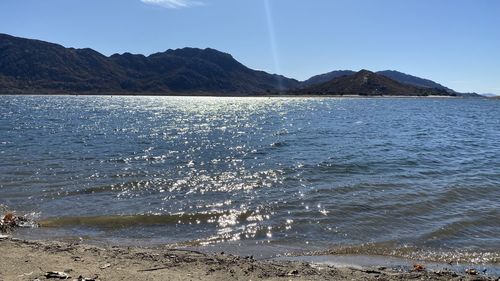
{"points": [[454, 42]]}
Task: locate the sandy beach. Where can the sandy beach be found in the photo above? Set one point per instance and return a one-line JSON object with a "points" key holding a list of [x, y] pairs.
{"points": [[32, 260]]}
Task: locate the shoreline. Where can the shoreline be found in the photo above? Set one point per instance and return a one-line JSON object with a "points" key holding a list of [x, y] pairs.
{"points": [[29, 260], [232, 95]]}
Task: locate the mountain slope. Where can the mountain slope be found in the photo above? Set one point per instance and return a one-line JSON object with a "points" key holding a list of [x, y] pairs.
{"points": [[367, 83], [413, 80], [28, 65], [394, 75], [322, 78]]}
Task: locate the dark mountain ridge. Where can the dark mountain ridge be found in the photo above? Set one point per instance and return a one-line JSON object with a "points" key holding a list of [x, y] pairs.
{"points": [[413, 80], [28, 65], [322, 78], [400, 77], [367, 83], [394, 75]]}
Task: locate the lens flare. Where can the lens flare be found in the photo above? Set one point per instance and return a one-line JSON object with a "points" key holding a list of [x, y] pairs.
{"points": [[272, 41]]}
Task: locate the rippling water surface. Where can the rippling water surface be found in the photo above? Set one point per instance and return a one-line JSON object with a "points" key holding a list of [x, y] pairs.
{"points": [[405, 177]]}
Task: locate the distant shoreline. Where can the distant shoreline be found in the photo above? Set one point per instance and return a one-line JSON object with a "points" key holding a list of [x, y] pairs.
{"points": [[107, 94]]}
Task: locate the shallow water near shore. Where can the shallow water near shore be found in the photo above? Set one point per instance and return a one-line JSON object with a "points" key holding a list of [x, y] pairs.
{"points": [[366, 261], [414, 178]]}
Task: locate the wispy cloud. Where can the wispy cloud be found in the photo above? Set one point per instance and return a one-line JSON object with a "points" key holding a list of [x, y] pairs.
{"points": [[173, 4]]}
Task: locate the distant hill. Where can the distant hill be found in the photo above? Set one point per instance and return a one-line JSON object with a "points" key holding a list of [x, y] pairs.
{"points": [[400, 77], [322, 78], [33, 66], [367, 83], [413, 80], [394, 75], [489, 95]]}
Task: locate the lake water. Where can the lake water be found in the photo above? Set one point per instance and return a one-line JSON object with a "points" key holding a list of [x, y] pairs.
{"points": [[413, 177]]}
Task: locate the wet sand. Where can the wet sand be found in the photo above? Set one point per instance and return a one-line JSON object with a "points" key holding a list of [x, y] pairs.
{"points": [[31, 260]]}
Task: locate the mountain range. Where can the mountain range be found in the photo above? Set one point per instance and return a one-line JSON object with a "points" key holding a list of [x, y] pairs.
{"points": [[30, 66], [367, 83], [36, 66], [392, 74]]}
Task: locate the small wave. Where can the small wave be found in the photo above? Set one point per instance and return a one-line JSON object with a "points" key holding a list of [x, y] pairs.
{"points": [[123, 221], [249, 231], [414, 253], [146, 158], [111, 188], [345, 168], [279, 144], [483, 225], [281, 132]]}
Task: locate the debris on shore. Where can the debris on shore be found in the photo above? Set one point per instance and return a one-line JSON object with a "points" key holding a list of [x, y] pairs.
{"points": [[50, 260], [10, 221], [57, 275], [418, 267]]}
